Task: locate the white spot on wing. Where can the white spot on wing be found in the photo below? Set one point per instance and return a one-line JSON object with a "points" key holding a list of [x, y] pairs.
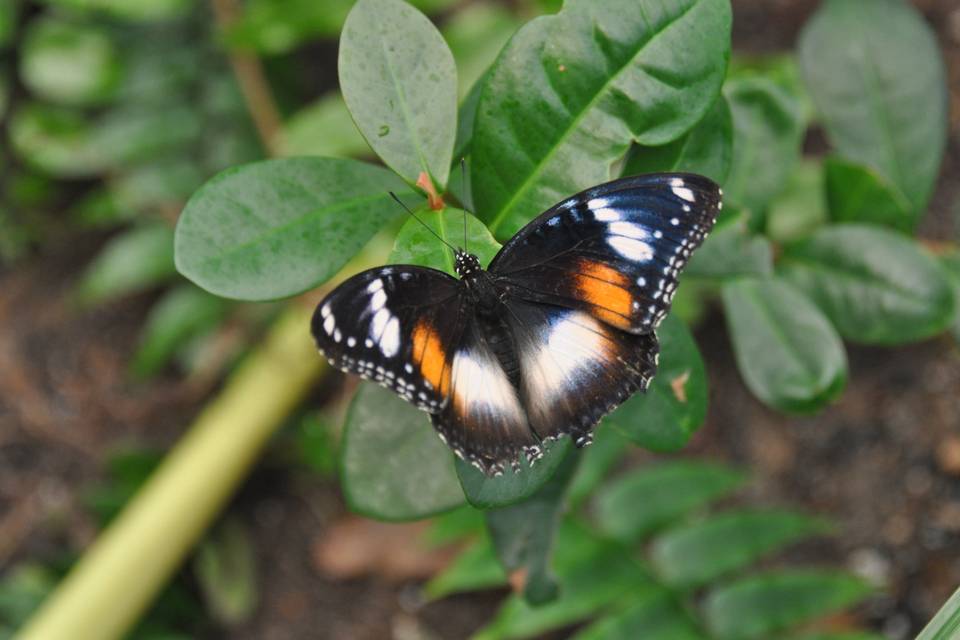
{"points": [[379, 323], [606, 215], [325, 310], [378, 299], [573, 347], [684, 193], [631, 248], [375, 285], [329, 324], [628, 229], [390, 341], [481, 386]]}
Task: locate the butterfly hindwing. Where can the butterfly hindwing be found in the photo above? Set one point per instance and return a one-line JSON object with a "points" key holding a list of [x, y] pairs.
{"points": [[575, 369], [614, 251], [396, 325], [485, 421]]}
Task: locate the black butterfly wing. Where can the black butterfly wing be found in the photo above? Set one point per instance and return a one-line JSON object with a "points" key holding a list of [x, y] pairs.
{"points": [[574, 369], [414, 330], [614, 251], [396, 325], [485, 421]]}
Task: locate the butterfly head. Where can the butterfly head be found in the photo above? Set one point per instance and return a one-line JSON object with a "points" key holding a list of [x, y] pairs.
{"points": [[466, 264]]}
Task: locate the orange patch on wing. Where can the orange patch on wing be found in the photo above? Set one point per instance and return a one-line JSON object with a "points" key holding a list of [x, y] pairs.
{"points": [[429, 355], [605, 288]]}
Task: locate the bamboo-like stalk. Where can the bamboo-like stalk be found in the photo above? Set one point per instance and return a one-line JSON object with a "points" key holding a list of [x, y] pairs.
{"points": [[120, 574]]}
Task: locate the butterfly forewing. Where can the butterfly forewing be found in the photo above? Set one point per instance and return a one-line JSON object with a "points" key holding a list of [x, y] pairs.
{"points": [[614, 251], [396, 325]]}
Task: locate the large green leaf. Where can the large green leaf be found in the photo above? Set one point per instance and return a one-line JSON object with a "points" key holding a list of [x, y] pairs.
{"points": [[858, 193], [394, 467], [673, 408], [278, 227], [788, 353], [658, 615], [706, 149], [400, 83], [875, 285], [69, 63], [570, 92], [634, 505], [415, 244], [131, 262], [761, 605], [485, 492], [594, 574], [880, 87], [767, 132], [696, 554], [523, 534]]}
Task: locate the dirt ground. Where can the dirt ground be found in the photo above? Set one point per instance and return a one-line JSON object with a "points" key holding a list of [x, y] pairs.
{"points": [[883, 462]]}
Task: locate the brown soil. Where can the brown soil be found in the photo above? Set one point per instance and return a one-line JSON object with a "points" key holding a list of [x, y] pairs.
{"points": [[883, 462]]}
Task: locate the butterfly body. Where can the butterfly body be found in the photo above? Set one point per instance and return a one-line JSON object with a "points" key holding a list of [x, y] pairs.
{"points": [[555, 333]]}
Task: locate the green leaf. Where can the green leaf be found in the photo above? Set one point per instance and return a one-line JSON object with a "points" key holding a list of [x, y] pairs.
{"points": [[767, 132], [951, 265], [181, 314], [9, 13], [323, 128], [69, 63], [226, 572], [781, 68], [673, 408], [946, 623], [131, 262], [638, 503], [706, 149], [466, 116], [23, 588], [880, 87], [168, 182], [64, 143], [800, 209], [476, 568], [761, 605], [696, 554], [317, 444], [596, 461], [523, 534], [394, 467], [656, 616], [731, 251], [400, 84], [141, 11], [570, 92], [876, 286], [858, 193], [485, 492], [594, 574], [416, 245], [476, 34], [788, 353], [278, 227]]}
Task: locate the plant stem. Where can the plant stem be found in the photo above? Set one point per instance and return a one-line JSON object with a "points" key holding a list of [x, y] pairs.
{"points": [[119, 575], [252, 80]]}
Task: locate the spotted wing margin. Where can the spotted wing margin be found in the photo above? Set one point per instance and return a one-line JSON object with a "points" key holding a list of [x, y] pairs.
{"points": [[574, 369], [615, 250], [485, 422], [395, 325]]}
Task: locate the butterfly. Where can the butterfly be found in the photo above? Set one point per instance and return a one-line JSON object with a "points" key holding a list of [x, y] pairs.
{"points": [[558, 330]]}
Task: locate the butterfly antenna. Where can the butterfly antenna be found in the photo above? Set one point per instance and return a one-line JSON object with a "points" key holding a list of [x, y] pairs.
{"points": [[425, 225], [463, 188]]}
